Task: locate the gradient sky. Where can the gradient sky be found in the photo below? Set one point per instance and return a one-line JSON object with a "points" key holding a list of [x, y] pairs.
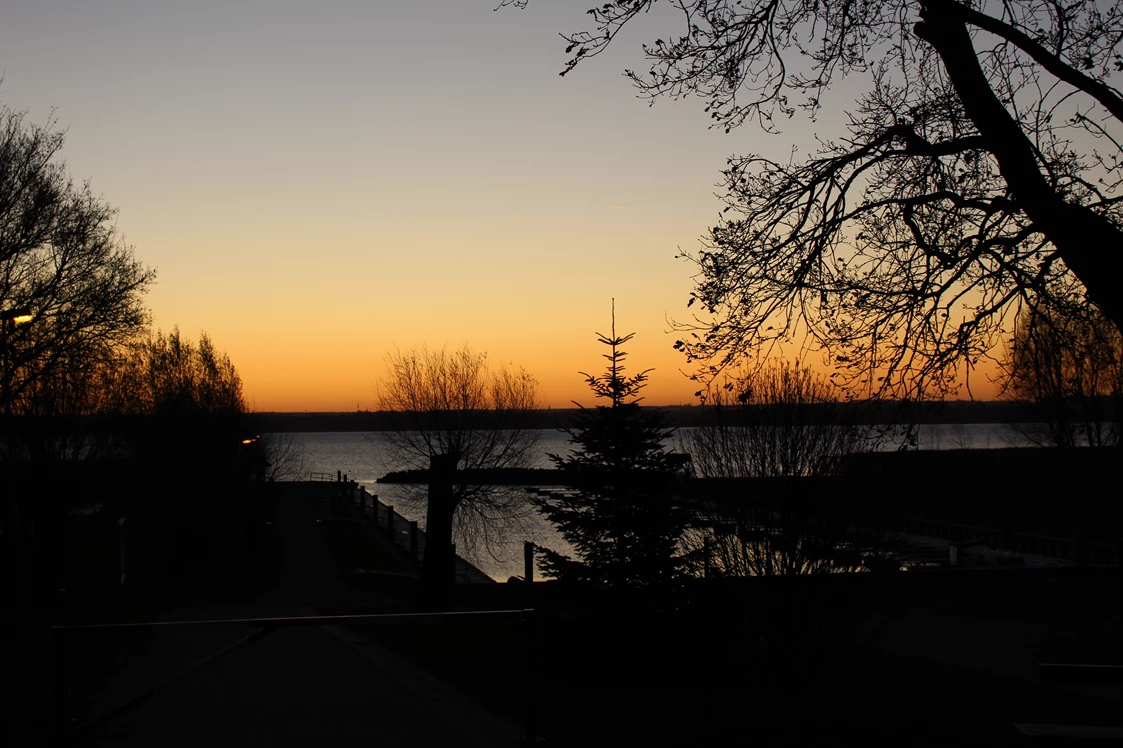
{"points": [[316, 183]]}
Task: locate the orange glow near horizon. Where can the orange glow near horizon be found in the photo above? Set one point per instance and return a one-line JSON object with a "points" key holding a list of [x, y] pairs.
{"points": [[346, 380], [343, 380], [315, 187]]}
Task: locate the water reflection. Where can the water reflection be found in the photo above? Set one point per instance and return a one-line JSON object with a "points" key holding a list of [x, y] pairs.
{"points": [[364, 457]]}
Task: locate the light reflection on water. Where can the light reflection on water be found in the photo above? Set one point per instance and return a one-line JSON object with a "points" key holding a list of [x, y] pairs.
{"points": [[364, 457]]}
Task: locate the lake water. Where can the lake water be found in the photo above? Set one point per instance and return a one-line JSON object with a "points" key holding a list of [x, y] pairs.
{"points": [[365, 457]]}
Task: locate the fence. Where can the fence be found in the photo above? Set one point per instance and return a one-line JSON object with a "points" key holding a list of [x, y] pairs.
{"points": [[403, 533]]}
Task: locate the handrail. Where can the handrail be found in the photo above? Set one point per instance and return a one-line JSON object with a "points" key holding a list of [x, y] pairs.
{"points": [[386, 522]]}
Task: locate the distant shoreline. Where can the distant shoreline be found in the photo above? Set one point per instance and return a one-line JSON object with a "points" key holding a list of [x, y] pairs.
{"points": [[945, 412]]}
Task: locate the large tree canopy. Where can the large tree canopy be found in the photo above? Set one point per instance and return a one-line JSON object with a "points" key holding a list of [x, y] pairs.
{"points": [[63, 260], [976, 172]]}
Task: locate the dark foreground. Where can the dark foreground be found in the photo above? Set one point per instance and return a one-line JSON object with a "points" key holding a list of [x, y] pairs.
{"points": [[935, 658]]}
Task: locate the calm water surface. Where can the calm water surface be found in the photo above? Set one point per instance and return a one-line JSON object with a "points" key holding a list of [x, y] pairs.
{"points": [[365, 457]]}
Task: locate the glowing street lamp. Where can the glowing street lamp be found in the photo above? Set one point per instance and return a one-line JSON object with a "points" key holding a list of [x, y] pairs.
{"points": [[9, 319], [19, 315]]}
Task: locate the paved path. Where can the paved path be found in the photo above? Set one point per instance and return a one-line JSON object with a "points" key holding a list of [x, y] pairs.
{"points": [[298, 686]]}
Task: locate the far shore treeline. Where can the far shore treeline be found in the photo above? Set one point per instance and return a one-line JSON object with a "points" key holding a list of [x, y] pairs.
{"points": [[867, 412]]}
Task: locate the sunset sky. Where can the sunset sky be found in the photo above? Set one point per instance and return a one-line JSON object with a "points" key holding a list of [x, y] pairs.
{"points": [[316, 183]]}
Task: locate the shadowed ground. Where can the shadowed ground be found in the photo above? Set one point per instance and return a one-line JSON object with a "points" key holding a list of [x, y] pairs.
{"points": [[946, 659], [298, 686]]}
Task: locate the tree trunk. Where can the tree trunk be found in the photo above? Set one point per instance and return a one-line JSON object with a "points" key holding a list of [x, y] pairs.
{"points": [[1090, 245], [438, 568]]}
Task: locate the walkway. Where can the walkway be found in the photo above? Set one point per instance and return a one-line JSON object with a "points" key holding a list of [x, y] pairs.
{"points": [[298, 686], [301, 687]]}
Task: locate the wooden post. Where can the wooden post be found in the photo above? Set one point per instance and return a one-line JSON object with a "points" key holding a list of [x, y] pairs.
{"points": [[528, 561], [437, 571]]}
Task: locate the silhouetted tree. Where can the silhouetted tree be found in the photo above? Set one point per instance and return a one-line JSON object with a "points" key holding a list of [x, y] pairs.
{"points": [[167, 375], [284, 457], [186, 399], [978, 169], [771, 448], [623, 520], [184, 412], [63, 260], [1069, 361], [62, 413], [451, 415], [779, 421], [63, 263], [163, 378], [154, 432]]}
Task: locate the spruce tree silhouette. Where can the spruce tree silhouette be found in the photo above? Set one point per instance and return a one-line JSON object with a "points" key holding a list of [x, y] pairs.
{"points": [[622, 520]]}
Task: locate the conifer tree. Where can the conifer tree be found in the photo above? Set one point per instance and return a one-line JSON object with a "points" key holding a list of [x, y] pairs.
{"points": [[622, 519]]}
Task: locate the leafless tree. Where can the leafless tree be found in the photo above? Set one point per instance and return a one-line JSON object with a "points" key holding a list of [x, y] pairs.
{"points": [[772, 504], [782, 420], [1069, 361], [66, 272], [454, 416], [156, 375], [62, 410], [781, 423], [284, 457], [168, 375], [979, 169], [64, 261]]}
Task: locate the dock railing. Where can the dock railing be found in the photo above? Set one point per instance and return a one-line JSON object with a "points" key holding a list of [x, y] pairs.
{"points": [[403, 532]]}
